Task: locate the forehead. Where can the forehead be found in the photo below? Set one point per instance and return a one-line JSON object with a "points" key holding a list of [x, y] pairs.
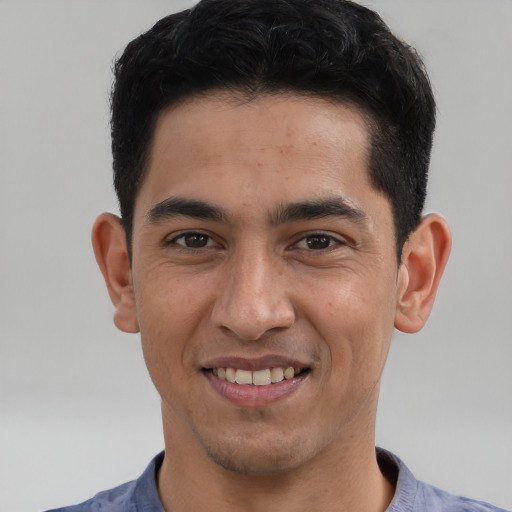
{"points": [[253, 160], [286, 110], [302, 137]]}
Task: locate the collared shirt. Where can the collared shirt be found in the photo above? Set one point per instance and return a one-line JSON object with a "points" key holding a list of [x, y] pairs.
{"points": [[411, 495]]}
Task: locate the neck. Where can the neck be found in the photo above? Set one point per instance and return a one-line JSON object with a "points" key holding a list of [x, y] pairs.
{"points": [[345, 476]]}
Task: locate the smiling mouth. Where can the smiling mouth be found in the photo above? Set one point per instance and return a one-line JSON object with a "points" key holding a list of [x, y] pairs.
{"points": [[263, 377]]}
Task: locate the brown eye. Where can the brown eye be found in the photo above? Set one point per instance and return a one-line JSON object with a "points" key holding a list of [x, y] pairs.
{"points": [[193, 240], [196, 241], [318, 241]]}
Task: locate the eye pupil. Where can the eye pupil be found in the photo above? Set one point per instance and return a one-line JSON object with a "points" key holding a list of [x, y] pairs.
{"points": [[196, 240], [318, 241]]}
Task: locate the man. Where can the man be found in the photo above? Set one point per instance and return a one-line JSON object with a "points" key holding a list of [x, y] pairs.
{"points": [[270, 160]]}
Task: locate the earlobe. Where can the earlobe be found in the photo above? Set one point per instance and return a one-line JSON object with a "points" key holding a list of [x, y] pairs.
{"points": [[109, 243], [424, 258]]}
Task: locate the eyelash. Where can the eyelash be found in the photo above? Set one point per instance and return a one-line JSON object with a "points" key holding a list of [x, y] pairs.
{"points": [[331, 240], [198, 234]]}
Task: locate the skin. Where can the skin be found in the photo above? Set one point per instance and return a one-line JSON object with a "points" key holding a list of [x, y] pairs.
{"points": [[249, 281]]}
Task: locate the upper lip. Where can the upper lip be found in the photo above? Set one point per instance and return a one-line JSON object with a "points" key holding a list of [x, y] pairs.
{"points": [[254, 363]]}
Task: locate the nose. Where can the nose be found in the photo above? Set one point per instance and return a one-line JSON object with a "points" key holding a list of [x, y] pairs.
{"points": [[253, 298]]}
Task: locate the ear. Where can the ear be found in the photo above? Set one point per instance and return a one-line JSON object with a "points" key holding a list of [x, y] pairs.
{"points": [[109, 243], [424, 258]]}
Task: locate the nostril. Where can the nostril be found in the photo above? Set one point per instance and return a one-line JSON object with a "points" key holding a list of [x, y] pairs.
{"points": [[252, 319]]}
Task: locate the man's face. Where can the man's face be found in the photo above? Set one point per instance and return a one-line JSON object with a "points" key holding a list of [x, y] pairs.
{"points": [[259, 245]]}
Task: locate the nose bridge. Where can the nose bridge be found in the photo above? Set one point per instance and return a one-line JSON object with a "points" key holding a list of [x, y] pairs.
{"points": [[254, 297]]}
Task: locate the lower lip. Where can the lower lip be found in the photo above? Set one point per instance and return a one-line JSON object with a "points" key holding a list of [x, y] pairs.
{"points": [[255, 396]]}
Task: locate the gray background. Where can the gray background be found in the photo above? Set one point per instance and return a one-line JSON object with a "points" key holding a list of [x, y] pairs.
{"points": [[77, 410]]}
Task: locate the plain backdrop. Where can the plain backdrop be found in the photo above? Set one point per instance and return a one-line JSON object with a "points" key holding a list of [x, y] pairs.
{"points": [[78, 412]]}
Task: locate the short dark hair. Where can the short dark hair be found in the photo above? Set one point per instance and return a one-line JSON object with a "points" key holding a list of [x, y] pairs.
{"points": [[333, 49]]}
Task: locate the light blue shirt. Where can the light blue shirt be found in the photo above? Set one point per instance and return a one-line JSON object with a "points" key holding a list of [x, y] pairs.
{"points": [[411, 495]]}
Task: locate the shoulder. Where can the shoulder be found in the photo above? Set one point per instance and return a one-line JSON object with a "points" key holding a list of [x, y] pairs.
{"points": [[413, 495], [135, 496], [113, 500], [432, 498]]}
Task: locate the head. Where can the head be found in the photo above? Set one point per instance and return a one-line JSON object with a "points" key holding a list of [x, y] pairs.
{"points": [[331, 49], [270, 158]]}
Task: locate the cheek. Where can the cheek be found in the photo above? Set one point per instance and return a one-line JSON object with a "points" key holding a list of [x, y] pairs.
{"points": [[168, 299], [355, 318], [171, 310]]}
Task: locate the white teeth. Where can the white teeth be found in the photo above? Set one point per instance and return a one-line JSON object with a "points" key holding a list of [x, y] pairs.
{"points": [[230, 374], [256, 378], [243, 377], [261, 377], [276, 374]]}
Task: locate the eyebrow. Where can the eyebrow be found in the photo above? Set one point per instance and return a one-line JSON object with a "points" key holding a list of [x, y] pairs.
{"points": [[304, 210], [318, 209], [178, 206]]}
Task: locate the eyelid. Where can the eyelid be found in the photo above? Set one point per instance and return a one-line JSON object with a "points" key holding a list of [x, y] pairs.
{"points": [[338, 239], [171, 239]]}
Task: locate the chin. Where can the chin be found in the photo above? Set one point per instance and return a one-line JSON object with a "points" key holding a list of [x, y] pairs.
{"points": [[254, 464], [259, 455]]}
